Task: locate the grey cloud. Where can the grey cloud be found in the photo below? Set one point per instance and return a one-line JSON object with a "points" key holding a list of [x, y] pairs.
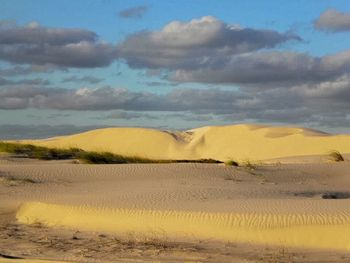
{"points": [[107, 98], [333, 20], [85, 79], [189, 45], [268, 69], [59, 115], [14, 132], [328, 95], [158, 83], [37, 81], [27, 70], [192, 117], [128, 115], [35, 34], [134, 12], [7, 23], [34, 44]]}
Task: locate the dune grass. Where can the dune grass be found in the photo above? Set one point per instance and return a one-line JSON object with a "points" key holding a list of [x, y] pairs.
{"points": [[110, 158], [231, 163], [336, 156], [38, 152], [45, 153]]}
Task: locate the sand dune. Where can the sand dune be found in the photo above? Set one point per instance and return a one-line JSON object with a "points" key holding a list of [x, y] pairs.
{"points": [[239, 142]]}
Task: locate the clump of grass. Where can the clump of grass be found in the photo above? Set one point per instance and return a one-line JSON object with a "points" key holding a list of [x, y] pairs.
{"points": [[231, 163], [336, 156]]}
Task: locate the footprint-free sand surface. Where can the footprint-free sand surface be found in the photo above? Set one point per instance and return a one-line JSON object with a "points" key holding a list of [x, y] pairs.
{"points": [[57, 210], [239, 142]]}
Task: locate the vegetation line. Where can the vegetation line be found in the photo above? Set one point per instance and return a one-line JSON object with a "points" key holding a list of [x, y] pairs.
{"points": [[45, 153]]}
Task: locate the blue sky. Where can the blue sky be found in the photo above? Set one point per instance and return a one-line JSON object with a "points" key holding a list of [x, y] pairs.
{"points": [[255, 37]]}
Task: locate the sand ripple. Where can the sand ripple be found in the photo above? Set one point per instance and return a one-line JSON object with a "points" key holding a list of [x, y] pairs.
{"points": [[306, 230]]}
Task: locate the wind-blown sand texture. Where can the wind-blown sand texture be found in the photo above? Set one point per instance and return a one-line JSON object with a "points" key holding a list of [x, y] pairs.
{"points": [[239, 142], [267, 205]]}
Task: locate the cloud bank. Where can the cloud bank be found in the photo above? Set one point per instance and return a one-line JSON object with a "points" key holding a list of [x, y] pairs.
{"points": [[319, 103]]}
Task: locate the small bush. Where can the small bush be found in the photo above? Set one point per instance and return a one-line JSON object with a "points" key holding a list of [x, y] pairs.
{"points": [[335, 156]]}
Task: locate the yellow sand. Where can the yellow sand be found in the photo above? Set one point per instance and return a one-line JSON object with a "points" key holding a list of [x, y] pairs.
{"points": [[303, 230], [239, 142]]}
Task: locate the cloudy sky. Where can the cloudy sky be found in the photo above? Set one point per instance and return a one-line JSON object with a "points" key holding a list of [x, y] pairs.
{"points": [[68, 66]]}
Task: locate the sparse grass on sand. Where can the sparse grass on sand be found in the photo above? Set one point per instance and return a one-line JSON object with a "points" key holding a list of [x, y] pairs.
{"points": [[14, 180], [44, 153], [335, 156]]}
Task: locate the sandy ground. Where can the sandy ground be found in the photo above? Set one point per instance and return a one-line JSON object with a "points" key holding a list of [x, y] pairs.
{"points": [[57, 210], [238, 142]]}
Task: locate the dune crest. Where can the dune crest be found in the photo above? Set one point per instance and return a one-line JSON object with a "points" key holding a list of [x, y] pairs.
{"points": [[239, 142]]}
